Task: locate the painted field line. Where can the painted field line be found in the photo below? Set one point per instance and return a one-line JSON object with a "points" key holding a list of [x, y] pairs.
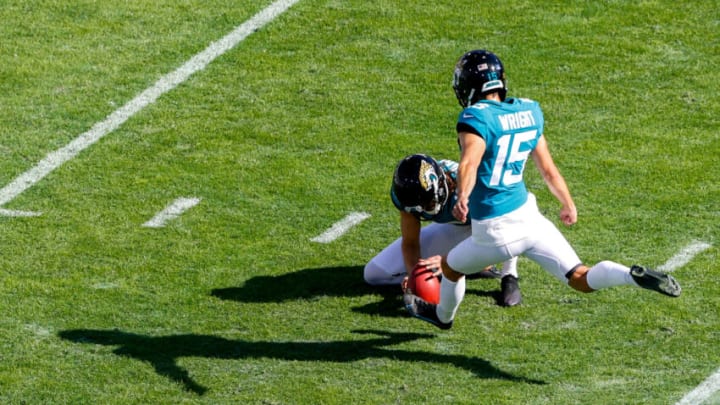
{"points": [[702, 391], [712, 384], [341, 227], [172, 211], [166, 83], [15, 213], [684, 256]]}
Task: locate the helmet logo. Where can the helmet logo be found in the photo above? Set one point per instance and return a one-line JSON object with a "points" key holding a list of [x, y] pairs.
{"points": [[428, 178]]}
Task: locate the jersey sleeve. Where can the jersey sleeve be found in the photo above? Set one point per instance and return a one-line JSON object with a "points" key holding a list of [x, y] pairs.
{"points": [[471, 120], [448, 166]]}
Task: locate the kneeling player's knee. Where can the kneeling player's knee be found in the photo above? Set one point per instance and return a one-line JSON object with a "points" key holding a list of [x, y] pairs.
{"points": [[372, 274]]}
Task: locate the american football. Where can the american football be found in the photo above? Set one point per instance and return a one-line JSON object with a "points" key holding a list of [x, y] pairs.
{"points": [[425, 284]]}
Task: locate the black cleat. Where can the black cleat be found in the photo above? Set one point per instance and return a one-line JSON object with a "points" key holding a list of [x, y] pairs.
{"points": [[421, 309], [490, 272], [510, 291], [656, 281]]}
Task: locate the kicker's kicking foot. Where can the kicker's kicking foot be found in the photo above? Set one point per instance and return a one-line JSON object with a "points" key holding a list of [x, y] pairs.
{"points": [[656, 281]]}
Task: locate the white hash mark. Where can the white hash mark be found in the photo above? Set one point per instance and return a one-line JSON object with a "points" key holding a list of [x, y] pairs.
{"points": [[684, 256], [340, 227], [172, 211]]}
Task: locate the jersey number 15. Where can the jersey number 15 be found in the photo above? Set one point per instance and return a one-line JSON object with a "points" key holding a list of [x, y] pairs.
{"points": [[509, 154]]}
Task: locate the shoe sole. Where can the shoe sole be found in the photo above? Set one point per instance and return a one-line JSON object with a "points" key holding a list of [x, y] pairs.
{"points": [[662, 283]]}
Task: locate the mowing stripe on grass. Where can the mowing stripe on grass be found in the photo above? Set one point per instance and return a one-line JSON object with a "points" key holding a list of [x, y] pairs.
{"points": [[339, 228], [684, 256], [172, 211], [703, 391], [166, 83]]}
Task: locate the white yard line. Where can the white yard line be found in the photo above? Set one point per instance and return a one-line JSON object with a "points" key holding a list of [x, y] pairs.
{"points": [[172, 211], [703, 391], [712, 384], [684, 256], [341, 227], [166, 83]]}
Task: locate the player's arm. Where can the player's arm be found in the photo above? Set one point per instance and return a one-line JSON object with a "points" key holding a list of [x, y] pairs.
{"points": [[472, 148], [555, 181], [410, 245]]}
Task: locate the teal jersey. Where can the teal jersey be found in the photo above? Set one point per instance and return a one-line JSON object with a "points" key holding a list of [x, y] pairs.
{"points": [[511, 130], [445, 215]]}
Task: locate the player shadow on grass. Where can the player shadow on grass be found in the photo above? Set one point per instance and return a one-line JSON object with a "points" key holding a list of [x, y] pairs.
{"points": [[162, 352], [342, 281]]}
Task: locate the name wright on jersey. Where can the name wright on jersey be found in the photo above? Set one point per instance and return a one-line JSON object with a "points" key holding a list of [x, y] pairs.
{"points": [[516, 120]]}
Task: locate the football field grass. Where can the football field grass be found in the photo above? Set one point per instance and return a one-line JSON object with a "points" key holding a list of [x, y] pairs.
{"points": [[173, 175]]}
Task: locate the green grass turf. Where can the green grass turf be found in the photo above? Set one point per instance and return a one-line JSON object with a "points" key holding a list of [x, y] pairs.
{"points": [[301, 124]]}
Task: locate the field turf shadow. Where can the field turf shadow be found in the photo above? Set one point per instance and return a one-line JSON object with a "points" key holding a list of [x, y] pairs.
{"points": [[343, 281], [162, 352]]}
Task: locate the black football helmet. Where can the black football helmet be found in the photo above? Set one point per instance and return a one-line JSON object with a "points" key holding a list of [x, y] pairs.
{"points": [[477, 73], [419, 185]]}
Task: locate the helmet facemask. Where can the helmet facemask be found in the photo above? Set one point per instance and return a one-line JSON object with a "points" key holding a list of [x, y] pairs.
{"points": [[436, 203]]}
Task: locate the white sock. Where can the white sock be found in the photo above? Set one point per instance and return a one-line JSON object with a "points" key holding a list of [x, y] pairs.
{"points": [[509, 267], [609, 274], [451, 295]]}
